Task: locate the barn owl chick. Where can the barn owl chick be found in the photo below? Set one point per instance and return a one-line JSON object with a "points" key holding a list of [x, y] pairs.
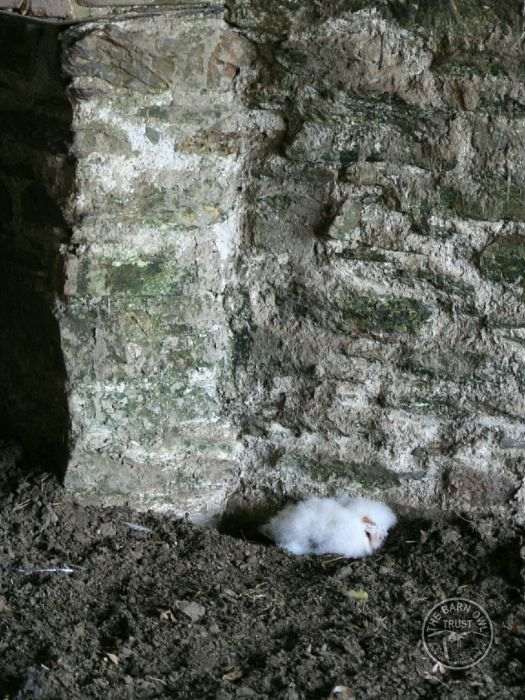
{"points": [[353, 527]]}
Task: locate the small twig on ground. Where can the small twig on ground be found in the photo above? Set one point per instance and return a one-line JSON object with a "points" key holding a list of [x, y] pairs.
{"points": [[158, 680], [138, 528], [331, 561], [53, 570], [22, 505], [29, 572]]}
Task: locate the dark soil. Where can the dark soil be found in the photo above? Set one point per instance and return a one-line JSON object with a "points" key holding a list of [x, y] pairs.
{"points": [[265, 624]]}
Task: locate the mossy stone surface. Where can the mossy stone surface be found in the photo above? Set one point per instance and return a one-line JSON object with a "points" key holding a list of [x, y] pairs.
{"points": [[391, 315], [504, 260]]}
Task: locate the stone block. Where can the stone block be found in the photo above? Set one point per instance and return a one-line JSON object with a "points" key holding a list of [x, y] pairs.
{"points": [[131, 3], [59, 9]]}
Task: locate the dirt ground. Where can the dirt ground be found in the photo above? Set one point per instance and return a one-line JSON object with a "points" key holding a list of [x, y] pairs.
{"points": [[182, 612]]}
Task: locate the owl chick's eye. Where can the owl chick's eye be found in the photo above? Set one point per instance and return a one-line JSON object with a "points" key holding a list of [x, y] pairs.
{"points": [[369, 535]]}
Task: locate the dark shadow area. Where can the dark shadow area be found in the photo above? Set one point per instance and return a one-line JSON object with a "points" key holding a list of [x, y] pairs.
{"points": [[36, 178], [506, 562], [243, 520]]}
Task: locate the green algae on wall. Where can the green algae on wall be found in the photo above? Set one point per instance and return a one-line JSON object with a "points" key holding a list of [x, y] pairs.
{"points": [[504, 260], [367, 474], [400, 315]]}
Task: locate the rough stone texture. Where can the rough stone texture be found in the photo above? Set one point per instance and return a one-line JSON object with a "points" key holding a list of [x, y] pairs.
{"points": [[298, 254], [52, 8], [83, 10], [159, 132], [380, 317]]}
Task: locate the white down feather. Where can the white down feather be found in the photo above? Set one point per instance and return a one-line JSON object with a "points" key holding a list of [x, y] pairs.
{"points": [[353, 527]]}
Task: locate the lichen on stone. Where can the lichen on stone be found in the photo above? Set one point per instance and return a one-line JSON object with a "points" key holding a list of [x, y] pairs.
{"points": [[389, 315], [504, 260]]}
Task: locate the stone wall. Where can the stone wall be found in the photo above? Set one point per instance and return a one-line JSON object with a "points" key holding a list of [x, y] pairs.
{"points": [[298, 253], [382, 259], [160, 135]]}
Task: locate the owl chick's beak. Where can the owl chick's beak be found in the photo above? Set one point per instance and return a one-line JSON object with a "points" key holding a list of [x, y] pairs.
{"points": [[375, 536]]}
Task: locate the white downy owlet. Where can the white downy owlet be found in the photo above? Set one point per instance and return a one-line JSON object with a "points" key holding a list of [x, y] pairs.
{"points": [[353, 527]]}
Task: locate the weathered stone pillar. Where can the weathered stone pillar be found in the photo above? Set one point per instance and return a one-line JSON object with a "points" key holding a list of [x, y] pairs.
{"points": [[135, 313], [159, 140]]}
